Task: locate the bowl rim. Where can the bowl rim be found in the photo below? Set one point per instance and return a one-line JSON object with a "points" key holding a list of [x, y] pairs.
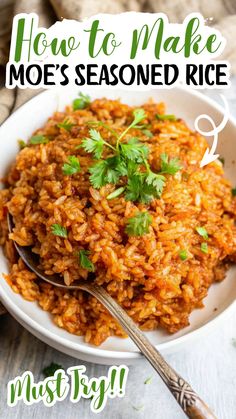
{"points": [[99, 352]]}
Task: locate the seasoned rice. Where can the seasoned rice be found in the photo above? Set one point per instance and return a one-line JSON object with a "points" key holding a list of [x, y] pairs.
{"points": [[144, 274]]}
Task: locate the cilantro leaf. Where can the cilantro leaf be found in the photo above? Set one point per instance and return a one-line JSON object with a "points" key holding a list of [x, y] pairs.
{"points": [[59, 231], [139, 115], [148, 380], [148, 133], [39, 139], [171, 166], [134, 188], [107, 171], [138, 408], [66, 124], [104, 125], [163, 117], [157, 181], [51, 369], [98, 174], [116, 168], [222, 160], [128, 156], [94, 144], [144, 128], [131, 168], [138, 190], [115, 193], [183, 254], [233, 190], [204, 247], [134, 150], [81, 102], [139, 224], [72, 167], [113, 170], [85, 262], [22, 144], [202, 232]]}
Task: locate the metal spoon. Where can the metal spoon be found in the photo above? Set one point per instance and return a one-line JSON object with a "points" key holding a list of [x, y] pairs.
{"points": [[189, 401]]}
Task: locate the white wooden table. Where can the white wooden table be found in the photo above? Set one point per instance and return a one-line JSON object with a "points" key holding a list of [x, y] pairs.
{"points": [[209, 365]]}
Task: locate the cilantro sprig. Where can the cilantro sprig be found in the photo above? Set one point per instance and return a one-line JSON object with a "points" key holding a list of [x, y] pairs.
{"points": [[22, 144], [138, 189], [104, 125], [134, 150], [144, 128], [59, 230], [164, 117], [66, 124], [50, 370], [169, 166], [81, 102], [183, 254], [148, 380], [202, 232], [85, 262], [129, 159], [116, 193], [233, 191], [72, 167], [222, 160], [148, 133], [95, 143], [139, 224], [139, 115], [204, 248], [107, 171], [39, 139]]}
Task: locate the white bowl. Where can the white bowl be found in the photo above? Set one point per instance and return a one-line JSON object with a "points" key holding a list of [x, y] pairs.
{"points": [[220, 300]]}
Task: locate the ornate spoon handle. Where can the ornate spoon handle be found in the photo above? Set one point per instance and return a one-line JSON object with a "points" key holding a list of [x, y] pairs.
{"points": [[189, 401]]}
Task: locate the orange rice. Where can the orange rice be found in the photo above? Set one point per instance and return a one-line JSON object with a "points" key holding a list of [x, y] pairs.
{"points": [[144, 274]]}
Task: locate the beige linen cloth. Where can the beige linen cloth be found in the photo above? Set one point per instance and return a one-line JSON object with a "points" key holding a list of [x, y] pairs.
{"points": [[220, 13]]}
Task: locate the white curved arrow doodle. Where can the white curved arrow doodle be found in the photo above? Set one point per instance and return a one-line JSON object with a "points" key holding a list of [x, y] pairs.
{"points": [[209, 155]]}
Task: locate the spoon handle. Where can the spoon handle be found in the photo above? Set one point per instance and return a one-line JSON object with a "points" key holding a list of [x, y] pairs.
{"points": [[188, 400]]}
